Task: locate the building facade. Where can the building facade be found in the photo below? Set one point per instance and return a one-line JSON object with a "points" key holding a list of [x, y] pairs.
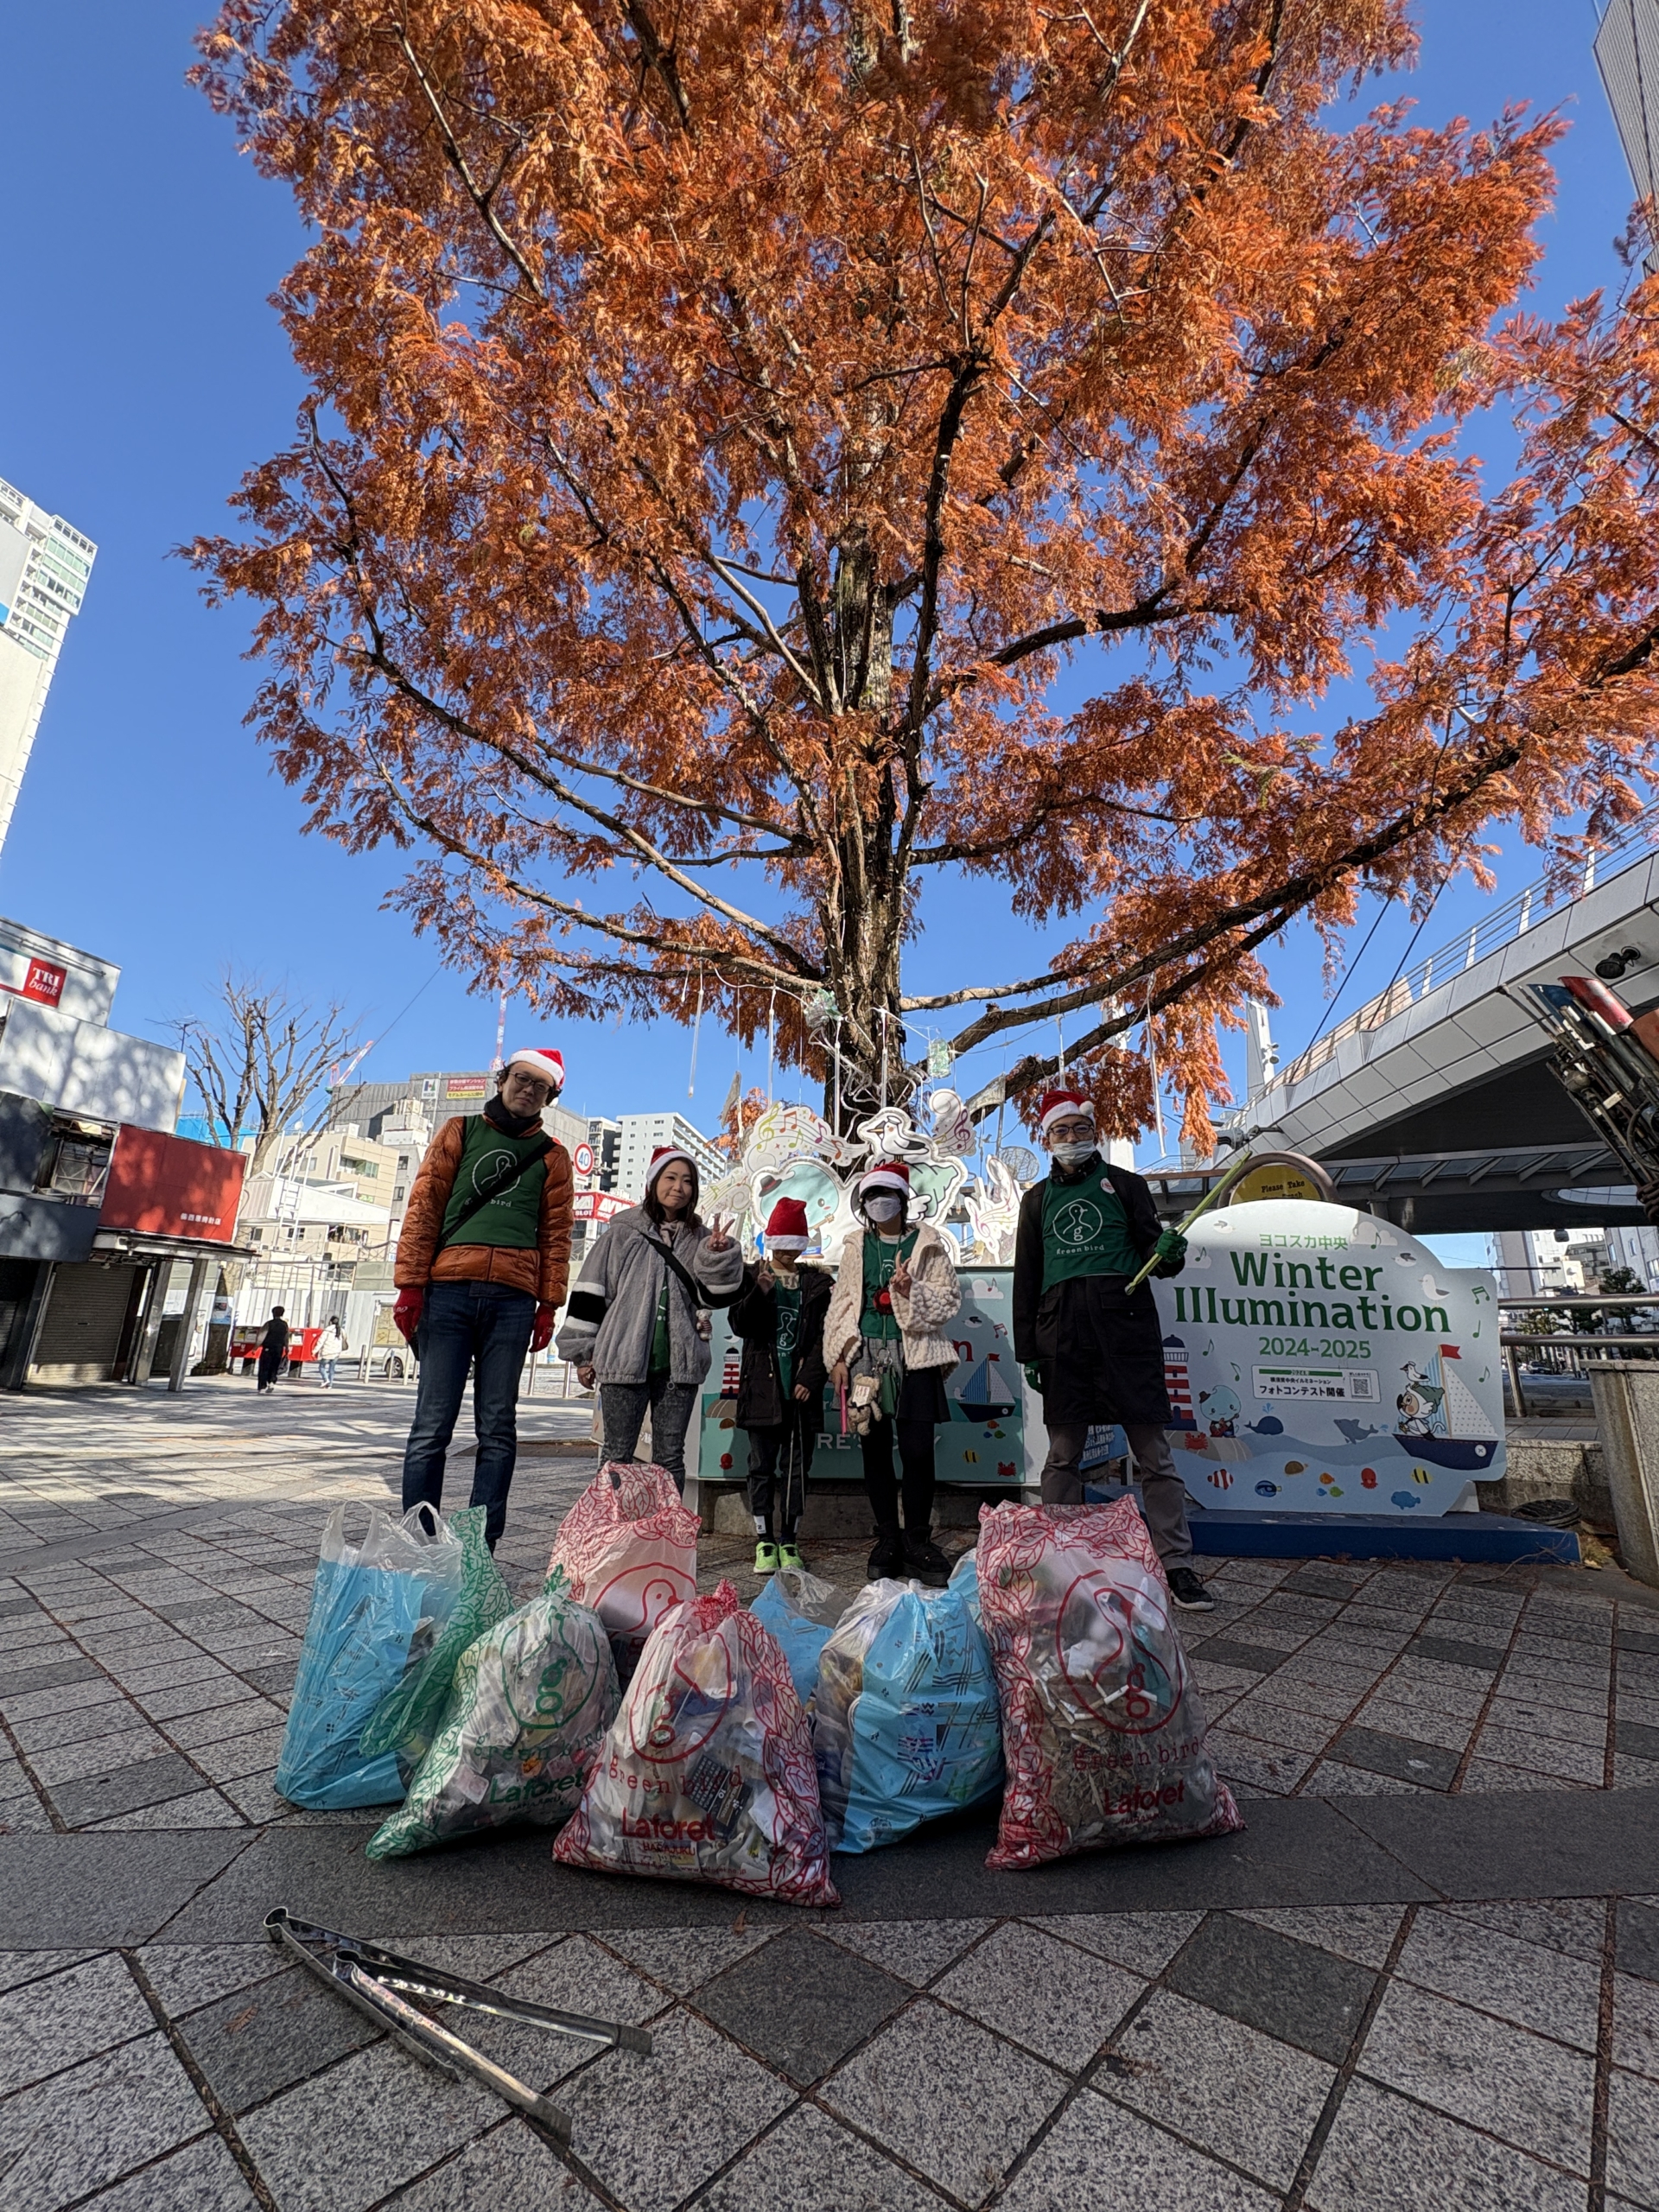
{"points": [[1627, 54], [44, 568], [639, 1134]]}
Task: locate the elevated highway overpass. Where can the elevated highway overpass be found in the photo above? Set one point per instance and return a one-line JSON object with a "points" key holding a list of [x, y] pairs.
{"points": [[1434, 1104]]}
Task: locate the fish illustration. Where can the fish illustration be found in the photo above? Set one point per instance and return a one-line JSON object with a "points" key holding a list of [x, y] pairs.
{"points": [[1269, 1425], [1356, 1432]]}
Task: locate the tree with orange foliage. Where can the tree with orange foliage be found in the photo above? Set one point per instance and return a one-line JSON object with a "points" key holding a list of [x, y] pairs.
{"points": [[727, 423]]}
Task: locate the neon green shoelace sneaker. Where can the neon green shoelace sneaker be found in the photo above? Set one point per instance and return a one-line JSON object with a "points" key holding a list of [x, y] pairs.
{"points": [[789, 1556], [766, 1558]]}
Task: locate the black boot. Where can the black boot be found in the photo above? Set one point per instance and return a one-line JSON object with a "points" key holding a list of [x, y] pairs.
{"points": [[887, 1560], [925, 1559]]}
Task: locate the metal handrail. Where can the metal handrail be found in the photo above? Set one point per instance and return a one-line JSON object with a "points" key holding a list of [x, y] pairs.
{"points": [[1500, 927]]}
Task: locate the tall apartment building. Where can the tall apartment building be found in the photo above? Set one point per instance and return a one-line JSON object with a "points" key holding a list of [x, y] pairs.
{"points": [[638, 1136], [1627, 54], [44, 566]]}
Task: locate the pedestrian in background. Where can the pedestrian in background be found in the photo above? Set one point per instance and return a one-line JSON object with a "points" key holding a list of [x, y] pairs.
{"points": [[1092, 1348], [780, 1383], [482, 1262], [895, 1290], [330, 1345], [273, 1349], [633, 1325]]}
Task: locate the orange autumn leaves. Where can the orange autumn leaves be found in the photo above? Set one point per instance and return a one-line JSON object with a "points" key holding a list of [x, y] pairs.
{"points": [[757, 455]]}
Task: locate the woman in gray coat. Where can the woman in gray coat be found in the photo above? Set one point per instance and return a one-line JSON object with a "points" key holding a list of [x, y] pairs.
{"points": [[631, 1324]]}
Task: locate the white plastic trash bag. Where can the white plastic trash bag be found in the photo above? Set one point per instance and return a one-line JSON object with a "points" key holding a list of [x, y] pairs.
{"points": [[904, 1725], [377, 1609], [532, 1700]]}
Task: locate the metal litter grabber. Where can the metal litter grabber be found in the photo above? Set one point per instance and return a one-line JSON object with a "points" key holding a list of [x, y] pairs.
{"points": [[371, 1979]]}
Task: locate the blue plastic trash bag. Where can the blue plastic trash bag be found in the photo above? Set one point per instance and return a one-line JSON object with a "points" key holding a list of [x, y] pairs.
{"points": [[801, 1611], [964, 1577], [906, 1725], [377, 1610]]}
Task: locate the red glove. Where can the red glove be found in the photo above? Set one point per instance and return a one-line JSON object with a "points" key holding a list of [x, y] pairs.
{"points": [[542, 1335], [406, 1314]]}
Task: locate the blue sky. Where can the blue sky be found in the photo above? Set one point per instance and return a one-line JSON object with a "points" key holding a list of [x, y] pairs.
{"points": [[142, 371]]}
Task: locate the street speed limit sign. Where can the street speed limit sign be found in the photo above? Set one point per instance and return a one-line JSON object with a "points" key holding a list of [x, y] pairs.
{"points": [[582, 1160]]}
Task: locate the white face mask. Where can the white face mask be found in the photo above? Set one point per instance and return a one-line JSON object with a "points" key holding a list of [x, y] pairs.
{"points": [[883, 1206], [1073, 1155]]}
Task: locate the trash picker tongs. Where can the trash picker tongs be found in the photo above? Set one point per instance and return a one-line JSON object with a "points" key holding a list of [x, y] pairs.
{"points": [[371, 1979]]}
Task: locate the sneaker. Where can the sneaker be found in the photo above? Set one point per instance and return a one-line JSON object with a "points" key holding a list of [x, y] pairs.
{"points": [[788, 1556], [926, 1561], [887, 1560], [766, 1558], [1188, 1594]]}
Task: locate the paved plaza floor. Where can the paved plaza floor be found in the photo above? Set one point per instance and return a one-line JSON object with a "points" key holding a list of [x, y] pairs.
{"points": [[1425, 1974]]}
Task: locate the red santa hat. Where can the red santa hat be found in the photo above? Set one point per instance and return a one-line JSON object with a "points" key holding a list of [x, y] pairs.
{"points": [[660, 1157], [1060, 1105], [786, 1225], [886, 1175], [542, 1060]]}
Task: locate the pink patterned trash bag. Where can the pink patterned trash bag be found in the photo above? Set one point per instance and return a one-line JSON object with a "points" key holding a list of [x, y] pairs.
{"points": [[1103, 1731], [707, 1774], [628, 1548]]}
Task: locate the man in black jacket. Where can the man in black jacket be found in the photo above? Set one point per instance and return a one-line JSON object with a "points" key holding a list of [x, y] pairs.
{"points": [[273, 1349], [1094, 1351], [779, 1317]]}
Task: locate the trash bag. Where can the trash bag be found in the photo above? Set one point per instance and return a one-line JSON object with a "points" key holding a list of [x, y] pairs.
{"points": [[629, 1547], [529, 1705], [964, 1577], [1102, 1727], [374, 1609], [406, 1722], [800, 1610], [707, 1773], [905, 1726]]}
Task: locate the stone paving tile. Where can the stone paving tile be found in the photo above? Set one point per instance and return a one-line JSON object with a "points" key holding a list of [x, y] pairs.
{"points": [[1143, 1942], [258, 2042], [1486, 1774], [80, 2130], [955, 2102], [1098, 2154], [1633, 2139], [1518, 2087], [96, 1755], [575, 1975], [187, 1975], [915, 1950], [1575, 1926], [802, 2004], [1221, 2085], [1637, 1939], [46, 2025], [124, 1789], [682, 1958], [1280, 1726], [205, 1808], [1330, 1778], [655, 2129], [1241, 1759], [202, 2177], [1386, 2154], [1024, 1984], [1542, 1754], [77, 1697], [509, 2169], [383, 2117], [1389, 1716], [1539, 1716], [808, 2163], [1361, 1932], [1406, 1758], [1303, 1994], [233, 1756], [1636, 2025], [1521, 1982]]}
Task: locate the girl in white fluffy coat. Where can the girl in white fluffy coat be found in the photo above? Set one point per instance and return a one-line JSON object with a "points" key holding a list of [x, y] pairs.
{"points": [[895, 1291]]}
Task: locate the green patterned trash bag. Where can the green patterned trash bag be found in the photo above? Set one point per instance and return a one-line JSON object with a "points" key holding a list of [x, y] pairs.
{"points": [[406, 1722], [531, 1703]]}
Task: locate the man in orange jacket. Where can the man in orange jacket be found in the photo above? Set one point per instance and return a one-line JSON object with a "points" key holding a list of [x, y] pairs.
{"points": [[482, 1263]]}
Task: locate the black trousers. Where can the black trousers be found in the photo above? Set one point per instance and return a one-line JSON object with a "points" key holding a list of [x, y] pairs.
{"points": [[915, 1440], [270, 1365], [778, 1460]]}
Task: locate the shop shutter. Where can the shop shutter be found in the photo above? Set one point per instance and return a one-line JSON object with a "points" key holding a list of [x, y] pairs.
{"points": [[81, 1333]]}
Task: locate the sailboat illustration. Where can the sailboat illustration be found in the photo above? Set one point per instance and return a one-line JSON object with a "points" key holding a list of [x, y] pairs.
{"points": [[1442, 1420], [984, 1395]]}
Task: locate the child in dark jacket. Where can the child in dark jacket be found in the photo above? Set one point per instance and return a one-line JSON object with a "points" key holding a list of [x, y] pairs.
{"points": [[779, 1317]]}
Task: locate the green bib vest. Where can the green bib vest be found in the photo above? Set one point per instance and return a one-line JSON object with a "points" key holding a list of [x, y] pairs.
{"points": [[880, 1261], [511, 1220], [1085, 1231]]}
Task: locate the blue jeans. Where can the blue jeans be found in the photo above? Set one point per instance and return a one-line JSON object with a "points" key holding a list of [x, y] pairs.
{"points": [[483, 1327], [326, 1372]]}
